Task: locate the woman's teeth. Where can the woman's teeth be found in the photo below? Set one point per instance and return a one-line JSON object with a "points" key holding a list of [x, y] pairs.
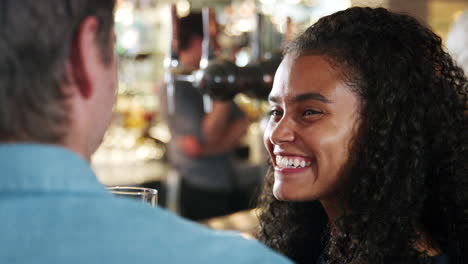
{"points": [[290, 162]]}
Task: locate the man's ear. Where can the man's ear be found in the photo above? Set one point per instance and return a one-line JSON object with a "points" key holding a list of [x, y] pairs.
{"points": [[84, 56]]}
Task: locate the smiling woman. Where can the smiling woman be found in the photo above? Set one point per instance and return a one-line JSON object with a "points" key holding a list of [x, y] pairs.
{"points": [[314, 115], [368, 145]]}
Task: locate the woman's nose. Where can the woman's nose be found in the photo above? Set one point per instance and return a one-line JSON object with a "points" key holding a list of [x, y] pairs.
{"points": [[282, 132]]}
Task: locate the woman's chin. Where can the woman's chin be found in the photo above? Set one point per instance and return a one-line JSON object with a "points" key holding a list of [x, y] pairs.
{"points": [[283, 194]]}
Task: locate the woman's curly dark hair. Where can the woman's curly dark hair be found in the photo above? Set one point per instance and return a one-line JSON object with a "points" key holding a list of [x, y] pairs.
{"points": [[408, 161]]}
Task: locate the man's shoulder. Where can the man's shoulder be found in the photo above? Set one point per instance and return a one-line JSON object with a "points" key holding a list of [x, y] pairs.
{"points": [[183, 241], [93, 228]]}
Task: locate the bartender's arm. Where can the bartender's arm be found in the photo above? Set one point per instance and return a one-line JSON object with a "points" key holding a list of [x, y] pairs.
{"points": [[220, 133]]}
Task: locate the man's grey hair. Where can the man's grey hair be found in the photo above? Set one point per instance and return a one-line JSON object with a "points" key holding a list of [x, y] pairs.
{"points": [[36, 38]]}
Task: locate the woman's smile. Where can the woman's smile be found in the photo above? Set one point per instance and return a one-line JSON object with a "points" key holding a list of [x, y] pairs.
{"points": [[292, 162]]}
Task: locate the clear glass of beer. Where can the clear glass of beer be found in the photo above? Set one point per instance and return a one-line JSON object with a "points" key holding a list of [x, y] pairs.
{"points": [[146, 195]]}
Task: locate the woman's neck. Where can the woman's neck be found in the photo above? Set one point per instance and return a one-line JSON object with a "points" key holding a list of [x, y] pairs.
{"points": [[333, 209]]}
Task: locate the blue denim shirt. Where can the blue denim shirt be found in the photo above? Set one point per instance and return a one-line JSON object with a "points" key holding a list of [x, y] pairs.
{"points": [[53, 210]]}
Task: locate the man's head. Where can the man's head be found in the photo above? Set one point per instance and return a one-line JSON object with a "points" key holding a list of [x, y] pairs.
{"points": [[190, 39], [57, 71]]}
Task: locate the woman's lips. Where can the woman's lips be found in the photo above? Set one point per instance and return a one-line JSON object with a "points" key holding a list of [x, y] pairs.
{"points": [[290, 170]]}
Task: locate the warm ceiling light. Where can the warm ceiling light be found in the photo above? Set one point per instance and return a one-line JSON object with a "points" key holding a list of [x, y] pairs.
{"points": [[183, 8]]}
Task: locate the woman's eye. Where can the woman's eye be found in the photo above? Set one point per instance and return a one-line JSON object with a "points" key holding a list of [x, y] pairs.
{"points": [[275, 113], [309, 112]]}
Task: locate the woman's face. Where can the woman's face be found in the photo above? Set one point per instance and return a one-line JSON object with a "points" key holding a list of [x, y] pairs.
{"points": [[314, 116]]}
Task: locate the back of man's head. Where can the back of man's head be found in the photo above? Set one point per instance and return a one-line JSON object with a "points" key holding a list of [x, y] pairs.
{"points": [[36, 40]]}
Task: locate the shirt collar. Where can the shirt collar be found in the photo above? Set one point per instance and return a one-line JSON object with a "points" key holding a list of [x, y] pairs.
{"points": [[49, 168]]}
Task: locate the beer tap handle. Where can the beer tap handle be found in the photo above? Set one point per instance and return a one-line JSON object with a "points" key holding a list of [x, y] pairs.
{"points": [[172, 61], [172, 57], [207, 50], [257, 51], [207, 44]]}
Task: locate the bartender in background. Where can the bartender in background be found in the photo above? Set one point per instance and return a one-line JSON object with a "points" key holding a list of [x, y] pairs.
{"points": [[202, 149]]}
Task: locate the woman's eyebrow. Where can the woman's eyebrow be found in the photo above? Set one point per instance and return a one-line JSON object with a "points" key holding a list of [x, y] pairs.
{"points": [[303, 97]]}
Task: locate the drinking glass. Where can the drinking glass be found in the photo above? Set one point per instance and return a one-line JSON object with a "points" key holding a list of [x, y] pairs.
{"points": [[147, 195]]}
